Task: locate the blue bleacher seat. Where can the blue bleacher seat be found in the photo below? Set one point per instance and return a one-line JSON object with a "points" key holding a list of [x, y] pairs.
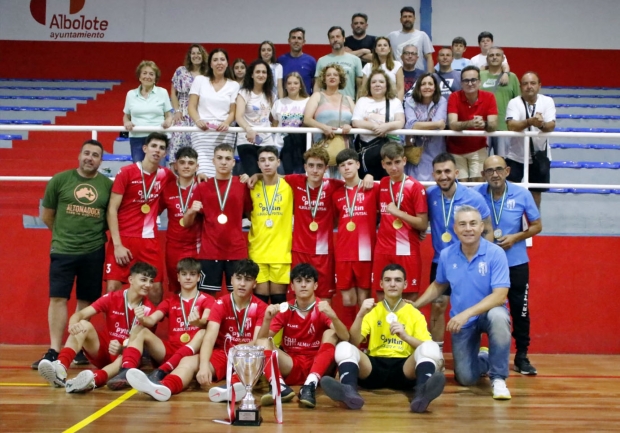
{"points": [[587, 116], [52, 98], [10, 137], [36, 109], [596, 164], [585, 146], [24, 122], [565, 164]]}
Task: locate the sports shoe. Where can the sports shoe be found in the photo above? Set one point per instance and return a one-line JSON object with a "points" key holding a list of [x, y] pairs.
{"points": [[523, 366], [119, 381], [500, 390], [484, 353], [286, 394], [307, 395], [221, 393], [85, 381], [427, 392], [157, 375], [51, 355], [340, 392], [80, 359], [138, 381], [53, 372]]}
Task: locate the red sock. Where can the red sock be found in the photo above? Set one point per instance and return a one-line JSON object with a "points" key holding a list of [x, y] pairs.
{"points": [[174, 360], [66, 356], [323, 359], [101, 378], [267, 368], [131, 358], [234, 379], [174, 383]]}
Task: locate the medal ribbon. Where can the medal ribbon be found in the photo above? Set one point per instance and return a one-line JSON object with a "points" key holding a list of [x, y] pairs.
{"points": [[127, 313], [245, 315], [219, 194], [400, 194], [446, 219], [185, 321], [273, 199], [295, 307], [189, 194], [351, 207], [501, 206], [147, 194], [314, 208], [387, 306]]}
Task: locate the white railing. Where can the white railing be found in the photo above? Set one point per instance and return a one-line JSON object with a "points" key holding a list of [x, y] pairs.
{"points": [[100, 128]]}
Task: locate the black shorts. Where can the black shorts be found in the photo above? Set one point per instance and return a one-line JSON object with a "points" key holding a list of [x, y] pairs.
{"points": [[516, 175], [387, 373], [448, 291], [212, 272], [86, 270]]}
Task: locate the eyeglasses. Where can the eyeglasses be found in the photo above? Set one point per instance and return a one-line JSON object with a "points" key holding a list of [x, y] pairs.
{"points": [[469, 80], [409, 53], [490, 171]]}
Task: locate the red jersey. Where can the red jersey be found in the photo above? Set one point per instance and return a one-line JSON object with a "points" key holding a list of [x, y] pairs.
{"points": [[222, 313], [182, 237], [305, 240], [301, 335], [132, 222], [356, 245], [113, 305], [404, 241], [171, 307], [223, 241], [458, 104]]}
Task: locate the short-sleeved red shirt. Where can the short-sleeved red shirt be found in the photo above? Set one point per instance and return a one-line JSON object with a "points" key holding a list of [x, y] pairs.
{"points": [[458, 104]]}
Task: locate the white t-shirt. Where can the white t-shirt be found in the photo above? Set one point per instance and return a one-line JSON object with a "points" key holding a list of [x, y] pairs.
{"points": [[392, 74], [481, 60], [399, 40], [257, 110], [288, 113], [214, 106], [516, 111], [276, 71], [372, 111]]}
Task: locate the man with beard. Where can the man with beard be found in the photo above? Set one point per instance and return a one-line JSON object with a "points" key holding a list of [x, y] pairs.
{"points": [[409, 35], [298, 61], [351, 64], [359, 43]]}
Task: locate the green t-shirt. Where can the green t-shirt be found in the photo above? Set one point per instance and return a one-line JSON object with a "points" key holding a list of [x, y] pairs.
{"points": [[503, 94], [80, 204], [352, 66]]}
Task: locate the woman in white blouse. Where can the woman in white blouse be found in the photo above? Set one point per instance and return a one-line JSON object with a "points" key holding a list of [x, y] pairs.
{"points": [[382, 58], [267, 52]]}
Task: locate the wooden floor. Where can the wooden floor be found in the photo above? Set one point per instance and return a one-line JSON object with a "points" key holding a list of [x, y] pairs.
{"points": [[572, 392]]}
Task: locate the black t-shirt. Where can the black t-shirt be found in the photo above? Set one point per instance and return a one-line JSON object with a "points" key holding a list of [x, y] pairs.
{"points": [[357, 44]]}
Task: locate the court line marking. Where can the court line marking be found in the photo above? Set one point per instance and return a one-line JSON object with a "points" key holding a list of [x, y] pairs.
{"points": [[24, 384], [107, 408]]}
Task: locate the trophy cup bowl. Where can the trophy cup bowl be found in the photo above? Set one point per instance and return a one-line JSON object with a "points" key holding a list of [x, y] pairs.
{"points": [[248, 362]]}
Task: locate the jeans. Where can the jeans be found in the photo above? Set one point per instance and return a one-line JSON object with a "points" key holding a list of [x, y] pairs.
{"points": [[136, 143], [468, 366]]}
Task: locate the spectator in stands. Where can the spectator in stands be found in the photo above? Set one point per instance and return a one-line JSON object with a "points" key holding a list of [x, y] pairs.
{"points": [[196, 63], [490, 81], [148, 105], [239, 70], [382, 58], [254, 103], [425, 109], [534, 112], [471, 109], [74, 209], [409, 35], [212, 106], [267, 52], [289, 112], [449, 79], [459, 45], [297, 61], [485, 41], [509, 234], [359, 43], [477, 272], [409, 57], [350, 64]]}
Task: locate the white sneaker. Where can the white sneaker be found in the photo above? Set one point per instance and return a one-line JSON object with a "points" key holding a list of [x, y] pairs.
{"points": [[53, 372], [140, 382], [500, 390], [85, 381], [221, 393]]}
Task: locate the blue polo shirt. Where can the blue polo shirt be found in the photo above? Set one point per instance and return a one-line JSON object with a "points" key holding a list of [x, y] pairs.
{"points": [[148, 111], [305, 65], [463, 195], [519, 202], [473, 281]]}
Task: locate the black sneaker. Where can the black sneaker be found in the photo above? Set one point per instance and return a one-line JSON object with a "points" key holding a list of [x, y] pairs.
{"points": [[287, 394], [157, 375], [119, 381], [80, 359], [307, 395], [427, 392], [523, 366], [51, 355], [341, 392]]}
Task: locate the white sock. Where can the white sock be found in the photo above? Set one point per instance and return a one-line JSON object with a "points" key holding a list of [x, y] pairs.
{"points": [[312, 378]]}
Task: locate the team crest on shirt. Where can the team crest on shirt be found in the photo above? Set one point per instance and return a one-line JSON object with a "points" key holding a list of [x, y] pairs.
{"points": [[482, 268], [510, 204], [378, 322], [85, 194]]}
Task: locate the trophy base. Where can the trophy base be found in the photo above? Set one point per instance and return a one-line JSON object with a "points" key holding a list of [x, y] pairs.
{"points": [[247, 417]]}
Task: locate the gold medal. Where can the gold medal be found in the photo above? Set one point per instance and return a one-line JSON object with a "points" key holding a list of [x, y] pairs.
{"points": [[181, 222], [314, 226], [185, 338], [397, 224], [145, 208], [222, 219], [446, 237], [125, 342], [350, 226]]}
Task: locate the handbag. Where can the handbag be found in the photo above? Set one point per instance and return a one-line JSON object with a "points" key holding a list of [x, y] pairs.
{"points": [[370, 152], [540, 160], [336, 144]]}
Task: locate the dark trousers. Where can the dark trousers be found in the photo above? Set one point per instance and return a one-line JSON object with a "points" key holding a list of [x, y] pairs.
{"points": [[519, 309], [248, 153], [292, 153]]}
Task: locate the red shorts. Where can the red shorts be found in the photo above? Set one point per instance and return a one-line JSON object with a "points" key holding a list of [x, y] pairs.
{"points": [[353, 274], [411, 264], [218, 361], [174, 253], [324, 265], [103, 357], [302, 364], [142, 250]]}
